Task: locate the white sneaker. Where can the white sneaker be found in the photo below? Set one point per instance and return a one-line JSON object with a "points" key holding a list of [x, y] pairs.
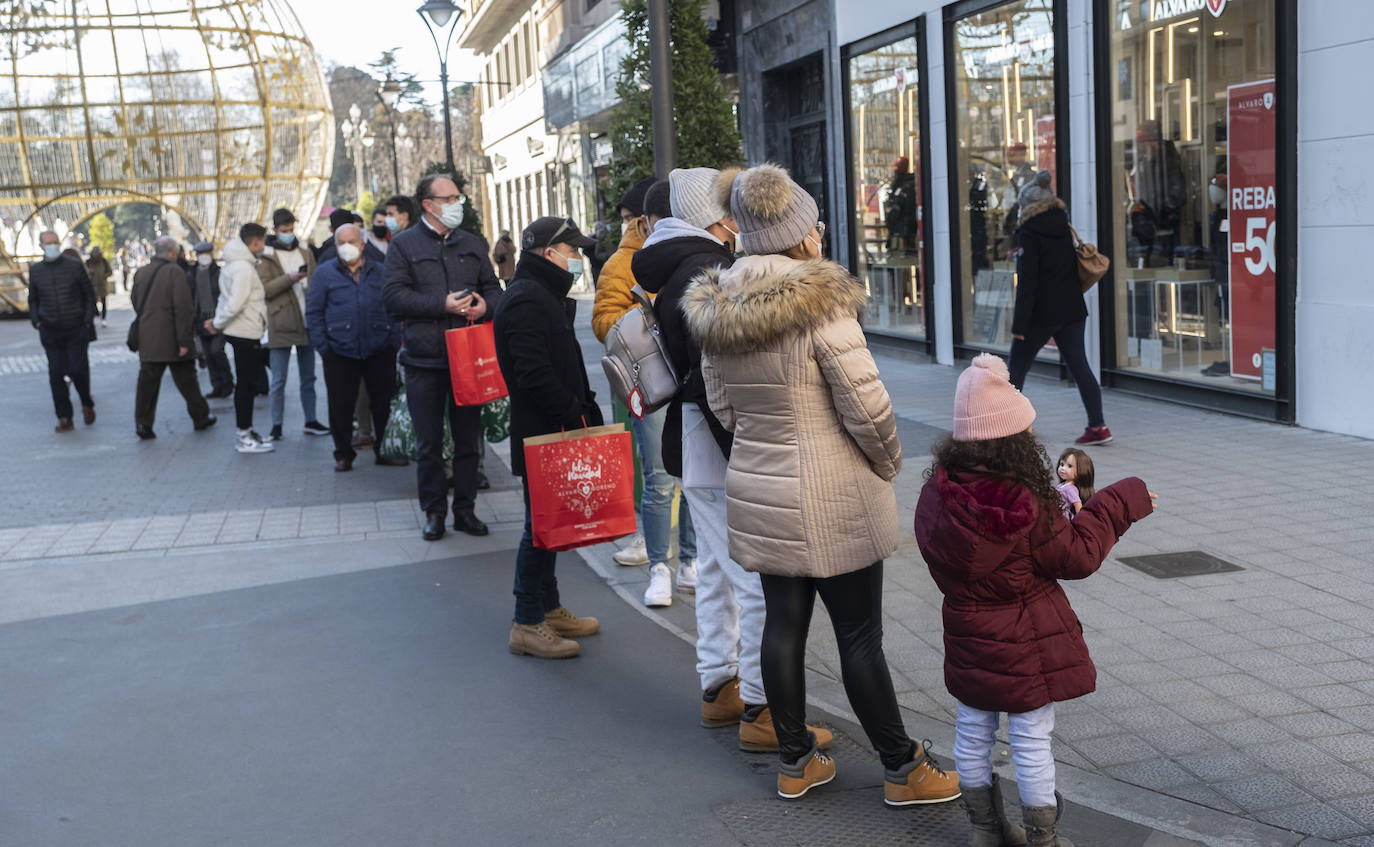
{"points": [[635, 554], [687, 576], [660, 590], [250, 442]]}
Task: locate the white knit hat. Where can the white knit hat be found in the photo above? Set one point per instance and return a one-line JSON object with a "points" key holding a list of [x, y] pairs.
{"points": [[692, 195]]}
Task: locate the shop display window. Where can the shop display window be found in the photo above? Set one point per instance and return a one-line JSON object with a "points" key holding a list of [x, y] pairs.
{"points": [[1003, 114], [1193, 138], [886, 190]]}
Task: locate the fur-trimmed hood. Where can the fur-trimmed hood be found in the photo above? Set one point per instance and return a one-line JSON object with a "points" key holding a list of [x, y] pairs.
{"points": [[763, 298], [1039, 207]]}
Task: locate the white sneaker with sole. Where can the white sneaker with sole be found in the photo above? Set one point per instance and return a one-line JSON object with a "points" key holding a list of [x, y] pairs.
{"points": [[250, 442], [687, 576], [660, 590], [635, 554]]}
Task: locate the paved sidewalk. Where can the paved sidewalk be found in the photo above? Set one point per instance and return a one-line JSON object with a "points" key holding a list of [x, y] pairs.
{"points": [[1248, 695]]}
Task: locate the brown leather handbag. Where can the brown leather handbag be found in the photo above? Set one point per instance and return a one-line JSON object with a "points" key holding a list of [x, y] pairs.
{"points": [[1092, 265]]}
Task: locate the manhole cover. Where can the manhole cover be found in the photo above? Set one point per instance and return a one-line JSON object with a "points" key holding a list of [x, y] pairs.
{"points": [[1173, 565], [855, 817]]}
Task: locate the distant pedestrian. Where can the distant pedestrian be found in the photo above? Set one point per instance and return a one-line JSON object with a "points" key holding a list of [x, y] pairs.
{"points": [[242, 316], [809, 480], [439, 277], [337, 218], [62, 309], [400, 214], [991, 529], [1049, 300], [541, 361], [284, 267], [166, 339], [378, 237], [348, 324], [203, 281], [99, 270], [503, 255]]}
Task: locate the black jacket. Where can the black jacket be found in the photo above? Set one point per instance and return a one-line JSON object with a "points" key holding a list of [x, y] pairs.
{"points": [[540, 357], [198, 308], [1048, 294], [60, 294], [422, 269], [666, 269]]}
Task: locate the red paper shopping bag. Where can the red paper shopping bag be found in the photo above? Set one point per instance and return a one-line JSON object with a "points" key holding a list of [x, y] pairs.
{"points": [[472, 365], [581, 487]]}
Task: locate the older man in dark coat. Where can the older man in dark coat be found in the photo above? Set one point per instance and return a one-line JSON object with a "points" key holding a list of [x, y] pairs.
{"points": [[62, 309], [166, 338]]}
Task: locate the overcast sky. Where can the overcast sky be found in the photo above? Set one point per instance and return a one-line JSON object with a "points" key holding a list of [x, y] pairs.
{"points": [[355, 32]]}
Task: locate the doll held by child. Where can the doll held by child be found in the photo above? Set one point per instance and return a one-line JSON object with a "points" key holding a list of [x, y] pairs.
{"points": [[991, 527], [1075, 475]]}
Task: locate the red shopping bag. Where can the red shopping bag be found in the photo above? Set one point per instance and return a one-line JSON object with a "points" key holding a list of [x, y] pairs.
{"points": [[472, 365], [581, 486]]}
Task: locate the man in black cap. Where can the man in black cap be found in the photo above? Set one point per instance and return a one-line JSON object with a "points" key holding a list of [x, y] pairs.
{"points": [[613, 284], [438, 278], [541, 361], [337, 218], [203, 278]]}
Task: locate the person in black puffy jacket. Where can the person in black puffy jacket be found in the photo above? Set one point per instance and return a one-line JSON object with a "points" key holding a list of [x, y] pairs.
{"points": [[62, 307]]}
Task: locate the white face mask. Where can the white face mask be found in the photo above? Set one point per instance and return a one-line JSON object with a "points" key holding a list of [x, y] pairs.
{"points": [[51, 252], [204, 260], [575, 268], [452, 214], [349, 252]]}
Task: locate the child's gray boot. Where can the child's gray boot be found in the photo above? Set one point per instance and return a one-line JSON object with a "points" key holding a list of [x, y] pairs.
{"points": [[1042, 823], [990, 825]]}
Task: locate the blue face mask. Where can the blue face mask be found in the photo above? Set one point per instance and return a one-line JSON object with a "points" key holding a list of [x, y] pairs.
{"points": [[52, 252], [575, 268], [287, 238], [392, 224]]}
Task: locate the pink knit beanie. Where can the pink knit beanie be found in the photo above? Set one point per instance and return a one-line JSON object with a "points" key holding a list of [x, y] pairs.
{"points": [[986, 406]]}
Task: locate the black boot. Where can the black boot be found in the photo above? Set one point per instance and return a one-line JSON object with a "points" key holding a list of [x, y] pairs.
{"points": [[990, 825], [1042, 824], [434, 527]]}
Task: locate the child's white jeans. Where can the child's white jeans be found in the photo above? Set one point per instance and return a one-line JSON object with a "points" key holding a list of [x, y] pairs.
{"points": [[975, 731]]}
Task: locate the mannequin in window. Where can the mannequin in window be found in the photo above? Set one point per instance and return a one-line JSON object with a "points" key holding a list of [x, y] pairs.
{"points": [[900, 208], [1159, 191], [1219, 258], [978, 220]]}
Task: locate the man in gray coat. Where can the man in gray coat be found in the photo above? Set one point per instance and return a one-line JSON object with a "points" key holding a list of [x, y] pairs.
{"points": [[166, 340]]}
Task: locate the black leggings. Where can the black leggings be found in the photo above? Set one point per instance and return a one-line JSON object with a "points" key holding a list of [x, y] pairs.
{"points": [[248, 362], [855, 603], [1069, 339]]}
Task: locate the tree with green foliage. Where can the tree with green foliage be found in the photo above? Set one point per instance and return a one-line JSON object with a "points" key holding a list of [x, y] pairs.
{"points": [[704, 119], [472, 219], [102, 233]]}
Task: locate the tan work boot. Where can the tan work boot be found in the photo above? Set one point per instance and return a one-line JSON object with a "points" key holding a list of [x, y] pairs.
{"points": [[757, 734], [815, 768], [722, 706], [64, 425], [920, 781], [541, 641], [568, 625]]}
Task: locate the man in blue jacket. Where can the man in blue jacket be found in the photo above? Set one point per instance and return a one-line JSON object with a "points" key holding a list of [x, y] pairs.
{"points": [[348, 324], [439, 277]]}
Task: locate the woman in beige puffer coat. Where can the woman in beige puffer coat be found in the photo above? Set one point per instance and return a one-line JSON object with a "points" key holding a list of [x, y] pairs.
{"points": [[810, 504]]}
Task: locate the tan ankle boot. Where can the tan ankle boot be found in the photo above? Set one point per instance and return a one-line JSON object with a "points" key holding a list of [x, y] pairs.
{"points": [[722, 707], [541, 641], [568, 625], [759, 735]]}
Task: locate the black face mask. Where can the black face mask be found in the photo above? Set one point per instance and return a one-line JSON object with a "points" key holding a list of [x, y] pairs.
{"points": [[380, 231]]}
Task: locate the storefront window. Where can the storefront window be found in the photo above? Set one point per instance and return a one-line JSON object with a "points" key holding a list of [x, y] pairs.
{"points": [[1193, 151], [886, 200], [1003, 66]]}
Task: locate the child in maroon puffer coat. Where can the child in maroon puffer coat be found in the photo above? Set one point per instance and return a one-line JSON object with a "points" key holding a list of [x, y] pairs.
{"points": [[992, 530]]}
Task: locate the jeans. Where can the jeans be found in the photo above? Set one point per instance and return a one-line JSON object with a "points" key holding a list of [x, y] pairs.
{"points": [[536, 586], [150, 385], [66, 349], [343, 379], [247, 364], [429, 396], [280, 359], [1069, 339], [656, 501], [975, 731], [855, 603]]}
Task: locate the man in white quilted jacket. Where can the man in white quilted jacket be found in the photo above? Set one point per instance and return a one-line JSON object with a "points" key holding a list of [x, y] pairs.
{"points": [[241, 315]]}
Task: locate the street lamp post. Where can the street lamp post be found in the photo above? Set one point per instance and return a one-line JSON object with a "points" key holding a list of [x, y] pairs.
{"points": [[442, 16], [389, 94], [357, 138]]}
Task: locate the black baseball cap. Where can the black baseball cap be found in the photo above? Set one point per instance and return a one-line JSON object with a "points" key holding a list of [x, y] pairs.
{"points": [[546, 232]]}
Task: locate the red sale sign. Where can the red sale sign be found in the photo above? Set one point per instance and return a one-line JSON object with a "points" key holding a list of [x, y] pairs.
{"points": [[1251, 219]]}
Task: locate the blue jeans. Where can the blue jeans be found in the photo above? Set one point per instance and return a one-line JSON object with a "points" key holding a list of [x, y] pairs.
{"points": [[656, 501], [975, 731], [536, 587], [279, 360]]}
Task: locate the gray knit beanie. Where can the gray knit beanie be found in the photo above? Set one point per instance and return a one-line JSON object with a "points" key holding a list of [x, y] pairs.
{"points": [[694, 198], [773, 212], [1036, 190]]}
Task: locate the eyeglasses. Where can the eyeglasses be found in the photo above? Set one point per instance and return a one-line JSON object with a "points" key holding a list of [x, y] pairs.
{"points": [[447, 198]]}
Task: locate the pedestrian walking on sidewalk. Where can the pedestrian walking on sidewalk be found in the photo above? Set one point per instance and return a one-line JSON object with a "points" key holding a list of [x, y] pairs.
{"points": [[99, 270], [809, 480], [285, 267], [241, 315], [992, 530], [1049, 300], [166, 339], [541, 360], [62, 309], [348, 324], [438, 278]]}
